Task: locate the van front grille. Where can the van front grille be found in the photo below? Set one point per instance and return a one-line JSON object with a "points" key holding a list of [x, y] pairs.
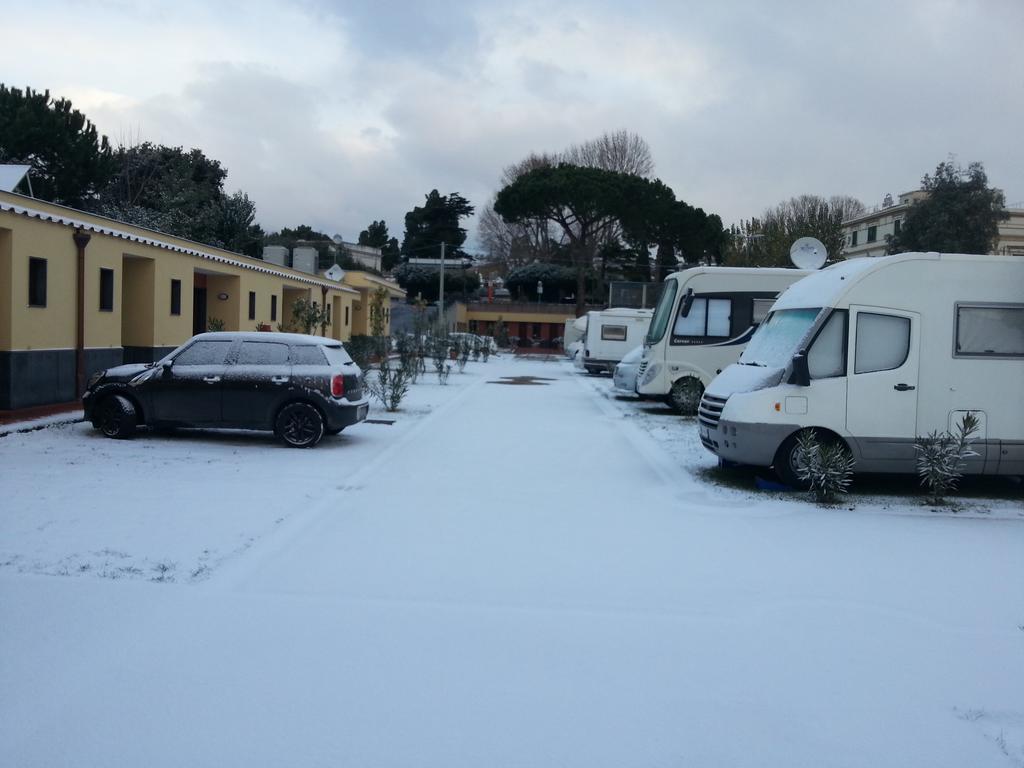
{"points": [[710, 410]]}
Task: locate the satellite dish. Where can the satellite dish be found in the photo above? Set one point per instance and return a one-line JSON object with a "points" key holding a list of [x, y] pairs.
{"points": [[808, 253]]}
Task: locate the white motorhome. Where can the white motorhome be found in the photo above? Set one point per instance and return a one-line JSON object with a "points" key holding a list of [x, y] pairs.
{"points": [[876, 352], [611, 333], [702, 322]]}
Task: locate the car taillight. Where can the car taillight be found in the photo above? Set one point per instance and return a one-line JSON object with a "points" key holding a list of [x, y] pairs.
{"points": [[338, 386]]}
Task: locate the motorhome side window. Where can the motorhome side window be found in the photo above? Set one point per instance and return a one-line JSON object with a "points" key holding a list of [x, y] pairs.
{"points": [[883, 342], [761, 309], [826, 358], [706, 318], [613, 333], [989, 331]]}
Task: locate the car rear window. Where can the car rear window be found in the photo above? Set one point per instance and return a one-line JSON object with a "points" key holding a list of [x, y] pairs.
{"points": [[336, 354], [263, 353], [308, 355]]}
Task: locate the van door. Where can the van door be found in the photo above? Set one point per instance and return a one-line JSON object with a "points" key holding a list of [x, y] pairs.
{"points": [[881, 401]]}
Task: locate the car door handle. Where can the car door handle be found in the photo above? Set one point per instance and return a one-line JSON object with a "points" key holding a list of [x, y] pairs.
{"points": [[279, 379], [903, 387], [211, 379]]}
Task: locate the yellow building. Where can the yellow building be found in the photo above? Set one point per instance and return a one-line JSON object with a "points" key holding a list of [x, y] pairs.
{"points": [[79, 293], [539, 324]]}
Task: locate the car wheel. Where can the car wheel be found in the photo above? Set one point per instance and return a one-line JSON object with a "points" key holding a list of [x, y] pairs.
{"points": [[117, 417], [300, 425], [591, 370], [685, 395]]}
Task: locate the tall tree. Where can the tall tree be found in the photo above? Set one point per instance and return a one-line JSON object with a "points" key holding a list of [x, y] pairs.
{"points": [[436, 222], [961, 213], [70, 160], [376, 236], [181, 193], [584, 203]]}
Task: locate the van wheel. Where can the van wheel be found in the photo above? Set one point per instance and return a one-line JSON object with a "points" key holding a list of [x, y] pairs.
{"points": [[786, 463], [117, 417], [300, 425], [685, 395]]}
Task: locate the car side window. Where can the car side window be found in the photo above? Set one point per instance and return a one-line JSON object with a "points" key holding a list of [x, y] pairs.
{"points": [[883, 342], [262, 353], [205, 353], [308, 355]]}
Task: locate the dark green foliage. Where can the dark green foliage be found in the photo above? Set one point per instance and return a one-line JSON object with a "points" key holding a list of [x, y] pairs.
{"points": [[361, 349], [558, 281], [376, 236], [940, 458], [181, 193], [70, 161], [826, 467], [425, 281], [436, 222], [960, 215]]}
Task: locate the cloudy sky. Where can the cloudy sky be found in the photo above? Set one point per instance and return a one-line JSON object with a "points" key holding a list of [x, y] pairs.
{"points": [[338, 113]]}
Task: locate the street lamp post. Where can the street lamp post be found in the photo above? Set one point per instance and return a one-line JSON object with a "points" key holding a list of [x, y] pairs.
{"points": [[540, 290]]}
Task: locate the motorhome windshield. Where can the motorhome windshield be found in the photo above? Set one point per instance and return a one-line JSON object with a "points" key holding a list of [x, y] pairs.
{"points": [[777, 339], [662, 313]]}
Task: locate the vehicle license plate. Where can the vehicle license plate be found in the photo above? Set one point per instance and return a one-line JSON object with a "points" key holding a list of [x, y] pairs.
{"points": [[362, 411]]}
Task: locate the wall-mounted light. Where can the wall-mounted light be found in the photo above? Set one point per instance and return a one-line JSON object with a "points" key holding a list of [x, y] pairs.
{"points": [[222, 296]]}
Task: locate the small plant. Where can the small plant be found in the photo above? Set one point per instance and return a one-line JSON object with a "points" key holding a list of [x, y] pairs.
{"points": [[486, 351], [214, 324], [439, 354], [308, 315], [826, 467], [465, 349], [941, 458], [391, 385], [443, 372]]}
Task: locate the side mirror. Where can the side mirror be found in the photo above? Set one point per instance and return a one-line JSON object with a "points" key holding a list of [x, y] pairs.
{"points": [[166, 367], [801, 375], [684, 311]]}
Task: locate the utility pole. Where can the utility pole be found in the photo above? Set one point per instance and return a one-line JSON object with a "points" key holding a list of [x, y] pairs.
{"points": [[444, 322]]}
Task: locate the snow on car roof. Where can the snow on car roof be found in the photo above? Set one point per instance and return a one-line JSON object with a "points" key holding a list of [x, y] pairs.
{"points": [[287, 338]]}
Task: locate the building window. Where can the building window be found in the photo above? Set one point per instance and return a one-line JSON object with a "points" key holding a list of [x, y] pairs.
{"points": [[897, 225], [37, 282], [346, 315], [106, 290], [853, 237], [175, 297], [273, 308], [252, 305], [872, 234]]}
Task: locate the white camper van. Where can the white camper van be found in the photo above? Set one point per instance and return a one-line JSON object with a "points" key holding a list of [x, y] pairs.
{"points": [[611, 333], [875, 352], [702, 322]]}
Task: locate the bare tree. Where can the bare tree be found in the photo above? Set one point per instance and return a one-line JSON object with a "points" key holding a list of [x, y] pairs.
{"points": [[619, 151]]}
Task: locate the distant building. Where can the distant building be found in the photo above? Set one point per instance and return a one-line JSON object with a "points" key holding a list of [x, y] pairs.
{"points": [[865, 235]]}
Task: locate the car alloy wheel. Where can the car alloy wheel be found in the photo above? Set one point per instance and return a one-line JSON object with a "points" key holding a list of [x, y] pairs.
{"points": [[300, 425], [117, 417]]}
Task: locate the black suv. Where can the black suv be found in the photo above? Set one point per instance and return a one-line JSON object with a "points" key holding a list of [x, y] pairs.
{"points": [[301, 387]]}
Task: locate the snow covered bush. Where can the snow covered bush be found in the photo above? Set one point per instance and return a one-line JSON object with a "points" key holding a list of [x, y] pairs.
{"points": [[941, 455], [826, 467], [465, 349], [390, 385]]}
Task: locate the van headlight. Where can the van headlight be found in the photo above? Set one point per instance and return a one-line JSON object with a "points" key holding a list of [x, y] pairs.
{"points": [[651, 373]]}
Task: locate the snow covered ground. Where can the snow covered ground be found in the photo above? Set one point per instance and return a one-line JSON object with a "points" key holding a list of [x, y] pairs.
{"points": [[517, 574]]}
